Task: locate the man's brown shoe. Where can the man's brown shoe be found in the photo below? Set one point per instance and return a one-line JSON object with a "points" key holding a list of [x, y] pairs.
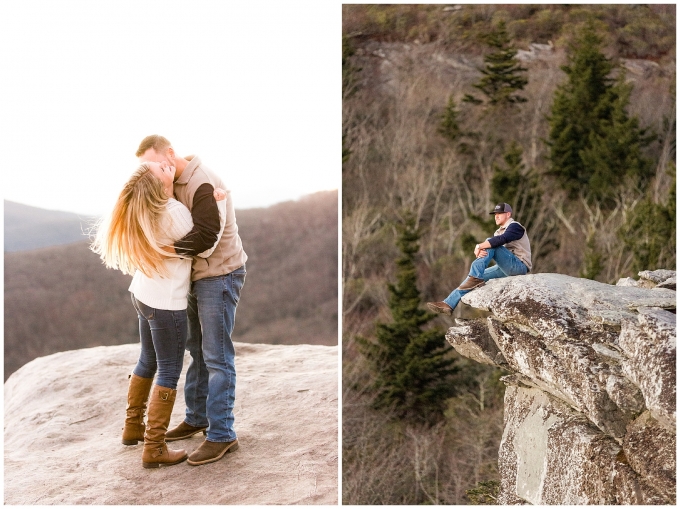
{"points": [[440, 307], [183, 431], [471, 283], [209, 451]]}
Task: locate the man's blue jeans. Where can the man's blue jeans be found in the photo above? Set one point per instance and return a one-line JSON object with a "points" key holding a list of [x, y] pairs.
{"points": [[210, 386], [163, 336], [507, 264]]}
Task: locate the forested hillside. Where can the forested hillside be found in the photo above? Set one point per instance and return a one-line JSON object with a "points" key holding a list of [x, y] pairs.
{"points": [[63, 298], [565, 112]]}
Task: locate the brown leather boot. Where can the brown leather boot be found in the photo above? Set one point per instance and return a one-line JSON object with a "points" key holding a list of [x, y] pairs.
{"points": [[138, 395], [156, 452], [209, 451], [471, 283], [440, 307], [182, 431]]}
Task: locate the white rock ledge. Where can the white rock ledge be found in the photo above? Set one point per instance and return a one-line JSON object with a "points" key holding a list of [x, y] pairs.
{"points": [[64, 414], [590, 407]]}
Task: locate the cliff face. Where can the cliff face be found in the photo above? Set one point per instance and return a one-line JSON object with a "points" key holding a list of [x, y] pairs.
{"points": [[590, 401]]}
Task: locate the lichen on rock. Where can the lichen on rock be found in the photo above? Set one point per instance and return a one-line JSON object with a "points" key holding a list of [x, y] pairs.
{"points": [[592, 385]]}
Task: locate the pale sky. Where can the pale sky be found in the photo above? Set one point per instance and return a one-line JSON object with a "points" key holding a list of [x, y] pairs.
{"points": [[253, 88]]}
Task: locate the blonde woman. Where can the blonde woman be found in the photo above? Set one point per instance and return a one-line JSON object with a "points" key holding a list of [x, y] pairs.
{"points": [[145, 220]]}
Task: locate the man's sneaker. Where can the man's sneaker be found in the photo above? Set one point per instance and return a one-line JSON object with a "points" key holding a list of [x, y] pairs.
{"points": [[471, 283], [440, 307], [209, 451], [183, 431]]}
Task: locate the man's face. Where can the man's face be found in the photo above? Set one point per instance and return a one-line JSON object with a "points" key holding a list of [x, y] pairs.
{"points": [[501, 217], [158, 157]]}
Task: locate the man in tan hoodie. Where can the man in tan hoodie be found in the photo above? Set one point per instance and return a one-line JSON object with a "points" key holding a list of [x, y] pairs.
{"points": [[216, 283]]}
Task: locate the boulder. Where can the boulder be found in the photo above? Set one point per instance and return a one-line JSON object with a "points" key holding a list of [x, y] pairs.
{"points": [[660, 278], [64, 414], [592, 389], [641, 67]]}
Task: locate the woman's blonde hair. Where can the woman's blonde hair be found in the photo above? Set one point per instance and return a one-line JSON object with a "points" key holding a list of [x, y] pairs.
{"points": [[127, 239]]}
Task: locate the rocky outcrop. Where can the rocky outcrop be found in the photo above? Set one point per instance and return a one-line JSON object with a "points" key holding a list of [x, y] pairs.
{"points": [[590, 398], [536, 52], [64, 414]]}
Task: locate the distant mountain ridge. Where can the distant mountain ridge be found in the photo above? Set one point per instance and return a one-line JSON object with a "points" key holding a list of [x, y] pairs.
{"points": [[28, 227], [62, 297]]}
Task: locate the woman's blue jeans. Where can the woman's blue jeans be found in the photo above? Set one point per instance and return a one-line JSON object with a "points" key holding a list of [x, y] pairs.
{"points": [[507, 264], [210, 387], [163, 337]]}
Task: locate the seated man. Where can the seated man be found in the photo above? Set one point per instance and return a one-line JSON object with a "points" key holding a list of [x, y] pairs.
{"points": [[509, 248]]}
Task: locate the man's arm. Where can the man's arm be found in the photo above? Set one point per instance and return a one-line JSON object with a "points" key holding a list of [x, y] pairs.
{"points": [[513, 232], [206, 218]]}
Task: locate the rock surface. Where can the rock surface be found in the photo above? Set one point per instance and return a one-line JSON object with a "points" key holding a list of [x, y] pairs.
{"points": [[590, 401], [64, 414]]}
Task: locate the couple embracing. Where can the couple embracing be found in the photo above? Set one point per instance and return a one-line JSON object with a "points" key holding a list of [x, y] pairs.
{"points": [[173, 226]]}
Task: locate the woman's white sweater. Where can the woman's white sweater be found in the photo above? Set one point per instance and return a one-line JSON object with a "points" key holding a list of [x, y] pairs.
{"points": [[168, 292]]}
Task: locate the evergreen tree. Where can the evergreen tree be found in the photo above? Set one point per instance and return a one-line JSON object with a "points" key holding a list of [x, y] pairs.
{"points": [[412, 365], [592, 260], [503, 75], [575, 107], [593, 142], [650, 233], [515, 185], [448, 125], [615, 148]]}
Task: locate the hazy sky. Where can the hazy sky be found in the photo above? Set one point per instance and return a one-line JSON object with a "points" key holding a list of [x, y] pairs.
{"points": [[253, 88]]}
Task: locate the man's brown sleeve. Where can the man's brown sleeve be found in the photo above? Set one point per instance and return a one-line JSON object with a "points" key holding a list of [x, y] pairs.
{"points": [[206, 218]]}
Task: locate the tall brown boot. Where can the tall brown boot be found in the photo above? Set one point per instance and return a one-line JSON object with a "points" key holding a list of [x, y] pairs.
{"points": [[156, 452], [138, 395]]}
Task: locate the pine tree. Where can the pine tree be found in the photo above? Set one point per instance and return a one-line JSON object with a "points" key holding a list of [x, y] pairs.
{"points": [[650, 232], [515, 185], [593, 142], [503, 75], [615, 148], [412, 365], [577, 109], [592, 260], [449, 126]]}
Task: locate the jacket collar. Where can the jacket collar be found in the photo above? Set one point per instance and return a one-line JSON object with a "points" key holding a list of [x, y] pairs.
{"points": [[194, 163], [502, 227]]}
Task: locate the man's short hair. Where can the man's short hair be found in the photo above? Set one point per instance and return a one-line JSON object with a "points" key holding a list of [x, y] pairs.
{"points": [[156, 142]]}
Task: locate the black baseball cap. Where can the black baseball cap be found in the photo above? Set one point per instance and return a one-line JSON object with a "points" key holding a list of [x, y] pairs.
{"points": [[501, 208]]}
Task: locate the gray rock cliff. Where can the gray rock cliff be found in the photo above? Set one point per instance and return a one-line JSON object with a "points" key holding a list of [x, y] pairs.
{"points": [[64, 414], [590, 401]]}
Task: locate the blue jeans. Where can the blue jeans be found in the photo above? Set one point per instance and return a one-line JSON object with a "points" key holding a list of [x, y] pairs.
{"points": [[163, 336], [210, 386], [507, 264]]}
